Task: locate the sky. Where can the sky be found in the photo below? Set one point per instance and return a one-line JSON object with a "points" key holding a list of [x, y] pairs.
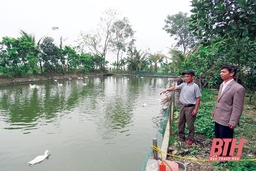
{"points": [[37, 17]]}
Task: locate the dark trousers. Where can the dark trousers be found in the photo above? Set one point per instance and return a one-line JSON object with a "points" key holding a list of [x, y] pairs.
{"points": [[223, 132], [187, 117]]}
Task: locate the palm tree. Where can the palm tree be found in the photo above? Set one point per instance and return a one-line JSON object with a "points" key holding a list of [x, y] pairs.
{"points": [[136, 60], [155, 59], [36, 50], [177, 59]]}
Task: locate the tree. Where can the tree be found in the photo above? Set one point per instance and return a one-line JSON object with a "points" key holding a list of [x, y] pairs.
{"points": [[86, 61], [50, 55], [99, 41], [136, 59], [98, 62], [166, 66], [71, 58], [5, 60], [17, 56], [32, 50], [226, 18], [178, 58], [155, 59], [201, 61], [228, 28], [122, 37], [178, 27]]}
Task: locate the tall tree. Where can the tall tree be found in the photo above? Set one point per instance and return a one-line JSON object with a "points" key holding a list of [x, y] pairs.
{"points": [[71, 58], [98, 42], [122, 37], [50, 55], [177, 26], [32, 52], [19, 56], [228, 28]]}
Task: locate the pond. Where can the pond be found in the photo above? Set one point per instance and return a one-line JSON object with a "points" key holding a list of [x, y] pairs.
{"points": [[94, 123]]}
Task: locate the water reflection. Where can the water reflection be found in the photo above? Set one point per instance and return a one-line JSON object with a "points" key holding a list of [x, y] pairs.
{"points": [[114, 97], [81, 115]]}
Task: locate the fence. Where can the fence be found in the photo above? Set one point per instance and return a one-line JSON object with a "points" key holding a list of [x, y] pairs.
{"points": [[160, 132]]}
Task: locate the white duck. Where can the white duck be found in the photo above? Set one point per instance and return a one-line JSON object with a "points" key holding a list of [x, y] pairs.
{"points": [[32, 86], [59, 84], [40, 158]]}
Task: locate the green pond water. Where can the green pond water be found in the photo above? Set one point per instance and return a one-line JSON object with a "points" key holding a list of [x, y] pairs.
{"points": [[102, 125]]}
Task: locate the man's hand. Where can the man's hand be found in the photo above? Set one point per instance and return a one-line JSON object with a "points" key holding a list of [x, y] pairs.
{"points": [[231, 126], [194, 112], [163, 92]]}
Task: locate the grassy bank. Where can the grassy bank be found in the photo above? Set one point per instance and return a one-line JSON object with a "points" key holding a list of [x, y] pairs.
{"points": [[196, 156]]}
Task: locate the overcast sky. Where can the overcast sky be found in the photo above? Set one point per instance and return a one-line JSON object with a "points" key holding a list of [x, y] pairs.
{"points": [[37, 17]]}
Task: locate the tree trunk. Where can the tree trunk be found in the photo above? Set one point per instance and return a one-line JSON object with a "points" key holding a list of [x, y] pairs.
{"points": [[117, 59]]}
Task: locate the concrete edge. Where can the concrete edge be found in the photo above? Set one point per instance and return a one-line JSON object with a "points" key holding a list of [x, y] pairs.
{"points": [[165, 142]]}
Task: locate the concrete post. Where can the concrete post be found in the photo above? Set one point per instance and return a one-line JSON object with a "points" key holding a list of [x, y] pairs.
{"points": [[155, 153]]}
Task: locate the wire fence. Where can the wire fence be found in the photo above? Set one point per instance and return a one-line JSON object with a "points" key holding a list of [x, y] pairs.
{"points": [[159, 134], [146, 73]]}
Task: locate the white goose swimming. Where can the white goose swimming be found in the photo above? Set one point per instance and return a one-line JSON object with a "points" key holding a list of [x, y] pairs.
{"points": [[59, 84], [34, 86], [40, 158]]}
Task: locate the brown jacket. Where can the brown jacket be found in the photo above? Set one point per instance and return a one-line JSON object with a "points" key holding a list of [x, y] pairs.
{"points": [[229, 105]]}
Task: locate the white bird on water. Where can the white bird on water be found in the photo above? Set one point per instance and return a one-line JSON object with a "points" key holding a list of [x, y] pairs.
{"points": [[59, 84], [40, 158], [145, 104], [34, 86]]}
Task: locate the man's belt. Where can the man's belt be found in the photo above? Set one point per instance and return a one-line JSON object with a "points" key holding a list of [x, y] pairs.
{"points": [[189, 105]]}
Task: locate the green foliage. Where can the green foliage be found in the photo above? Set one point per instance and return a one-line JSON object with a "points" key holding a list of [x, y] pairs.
{"points": [[202, 63], [98, 62], [22, 56], [204, 123], [177, 26], [86, 61], [177, 61], [233, 18], [19, 55], [227, 32], [136, 59], [51, 55], [154, 59], [236, 166]]}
